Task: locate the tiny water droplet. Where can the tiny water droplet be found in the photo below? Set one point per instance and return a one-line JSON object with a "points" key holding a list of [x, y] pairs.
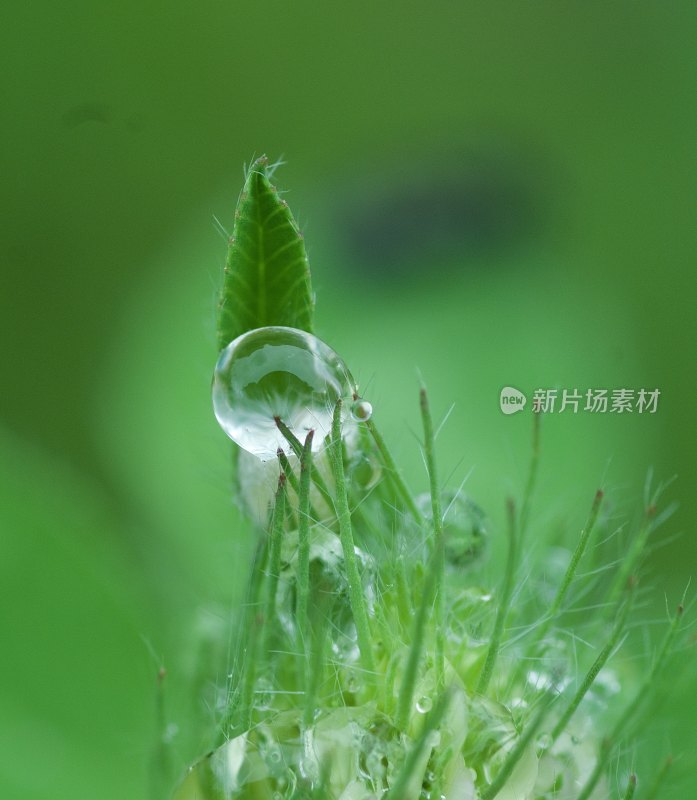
{"points": [[433, 741], [353, 684], [465, 533], [544, 742], [278, 372], [361, 410], [424, 704], [365, 470], [263, 694]]}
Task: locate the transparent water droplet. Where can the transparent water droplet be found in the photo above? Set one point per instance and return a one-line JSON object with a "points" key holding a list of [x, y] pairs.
{"points": [[365, 470], [361, 410], [263, 694], [544, 742], [433, 741], [278, 372], [465, 534], [424, 704], [353, 684]]}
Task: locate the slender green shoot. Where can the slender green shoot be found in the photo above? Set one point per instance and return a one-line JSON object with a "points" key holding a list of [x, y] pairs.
{"points": [[516, 753], [241, 683], [293, 479], [274, 567], [505, 602], [304, 536], [630, 561], [356, 597], [274, 570], [556, 605], [592, 673], [655, 787], [297, 448], [644, 691], [418, 637], [532, 477], [317, 641], [161, 771], [286, 467], [565, 585], [393, 474], [408, 772], [438, 551], [631, 787]]}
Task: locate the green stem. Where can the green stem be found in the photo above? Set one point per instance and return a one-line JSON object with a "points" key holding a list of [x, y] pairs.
{"points": [[631, 787], [244, 674], [318, 642], [504, 605], [592, 673], [161, 776], [630, 561], [292, 478], [407, 773], [438, 546], [297, 448], [555, 608], [557, 602], [393, 474], [274, 570], [532, 477], [655, 787], [643, 692], [406, 691], [357, 600], [304, 536], [515, 754]]}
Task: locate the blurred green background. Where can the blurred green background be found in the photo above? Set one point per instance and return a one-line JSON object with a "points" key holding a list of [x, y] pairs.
{"points": [[492, 194]]}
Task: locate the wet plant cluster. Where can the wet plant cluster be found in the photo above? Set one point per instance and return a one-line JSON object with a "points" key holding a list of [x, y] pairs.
{"points": [[371, 659]]}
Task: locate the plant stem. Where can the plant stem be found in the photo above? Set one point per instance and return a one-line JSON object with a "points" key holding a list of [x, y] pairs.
{"points": [[630, 560], [631, 787], [357, 600], [393, 474], [653, 790], [438, 550], [245, 659], [592, 673], [274, 568], [532, 477], [406, 774], [515, 754], [406, 692], [557, 602], [630, 710], [556, 605], [304, 537], [504, 605], [297, 448]]}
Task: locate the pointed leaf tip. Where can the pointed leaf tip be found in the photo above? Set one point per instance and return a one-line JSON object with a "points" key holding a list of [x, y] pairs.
{"points": [[267, 275]]}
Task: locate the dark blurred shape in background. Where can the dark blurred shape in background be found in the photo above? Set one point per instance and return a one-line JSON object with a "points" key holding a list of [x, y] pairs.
{"points": [[402, 220]]}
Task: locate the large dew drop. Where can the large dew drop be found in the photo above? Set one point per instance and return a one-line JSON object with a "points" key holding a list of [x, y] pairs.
{"points": [[278, 372]]}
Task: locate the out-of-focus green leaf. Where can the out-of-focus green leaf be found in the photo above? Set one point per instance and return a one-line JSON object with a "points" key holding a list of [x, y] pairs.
{"points": [[76, 679], [267, 276]]}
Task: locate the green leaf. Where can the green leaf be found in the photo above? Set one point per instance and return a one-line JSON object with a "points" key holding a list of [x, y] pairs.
{"points": [[267, 275]]}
